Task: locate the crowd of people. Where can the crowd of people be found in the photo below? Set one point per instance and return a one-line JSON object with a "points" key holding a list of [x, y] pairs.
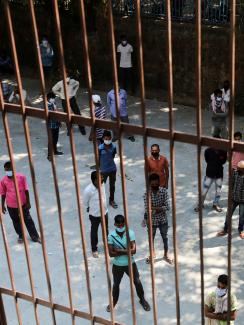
{"points": [[157, 207]]}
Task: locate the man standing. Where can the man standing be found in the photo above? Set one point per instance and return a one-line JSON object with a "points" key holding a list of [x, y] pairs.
{"points": [[226, 91], [237, 156], [72, 88], [158, 164], [237, 199], [215, 160], [100, 113], [107, 152], [47, 56], [92, 204], [159, 209], [219, 114], [125, 64], [216, 304], [117, 245], [122, 110], [8, 194]]}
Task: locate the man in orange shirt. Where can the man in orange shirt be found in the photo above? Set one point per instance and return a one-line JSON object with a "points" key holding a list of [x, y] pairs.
{"points": [[158, 164], [237, 156]]}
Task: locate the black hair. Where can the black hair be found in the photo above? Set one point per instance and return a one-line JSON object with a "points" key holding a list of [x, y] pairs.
{"points": [[119, 219], [7, 164], [50, 95], [226, 82], [123, 37], [217, 91], [153, 177], [93, 176], [223, 278], [155, 145], [107, 133], [238, 134], [44, 36]]}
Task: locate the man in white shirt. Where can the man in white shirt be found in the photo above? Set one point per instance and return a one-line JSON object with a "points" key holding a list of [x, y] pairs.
{"points": [[125, 65], [226, 91], [92, 204], [72, 88], [15, 98]]}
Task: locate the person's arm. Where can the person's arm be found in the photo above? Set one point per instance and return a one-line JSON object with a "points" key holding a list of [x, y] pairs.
{"points": [[114, 251], [109, 102], [206, 155], [57, 89], [76, 85], [3, 197], [87, 197], [27, 205], [11, 97]]}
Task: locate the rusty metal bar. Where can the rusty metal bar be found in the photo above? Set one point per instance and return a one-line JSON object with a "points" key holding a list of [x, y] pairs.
{"points": [[172, 154], [199, 135]]}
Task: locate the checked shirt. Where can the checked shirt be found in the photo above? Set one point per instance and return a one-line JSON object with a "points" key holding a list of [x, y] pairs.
{"points": [[238, 187], [158, 199]]}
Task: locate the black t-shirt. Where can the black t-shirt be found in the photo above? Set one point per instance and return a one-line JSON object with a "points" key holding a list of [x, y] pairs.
{"points": [[215, 160]]}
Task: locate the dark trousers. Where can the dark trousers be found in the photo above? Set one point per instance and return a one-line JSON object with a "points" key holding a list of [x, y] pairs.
{"points": [[74, 107], [48, 77], [95, 222], [124, 119], [241, 216], [112, 180], [163, 228], [29, 223], [55, 135], [118, 272], [127, 79]]}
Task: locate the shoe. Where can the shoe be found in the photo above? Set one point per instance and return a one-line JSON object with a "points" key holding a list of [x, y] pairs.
{"points": [[113, 204], [82, 130], [132, 139], [68, 133], [196, 209], [58, 153], [20, 240], [95, 254], [108, 309], [217, 208], [145, 305], [49, 158], [221, 233], [36, 240]]}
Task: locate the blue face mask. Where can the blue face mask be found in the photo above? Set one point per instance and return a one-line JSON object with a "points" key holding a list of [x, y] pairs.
{"points": [[120, 229]]}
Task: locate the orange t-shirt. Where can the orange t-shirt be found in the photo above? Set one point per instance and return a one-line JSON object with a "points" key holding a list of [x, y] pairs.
{"points": [[158, 166]]}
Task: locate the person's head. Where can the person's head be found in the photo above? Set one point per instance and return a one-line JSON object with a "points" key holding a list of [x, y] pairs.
{"points": [[218, 93], [222, 285], [45, 40], [8, 169], [119, 223], [240, 167], [226, 85], [107, 137], [238, 136], [94, 178], [155, 150], [123, 40], [51, 97], [96, 99], [154, 182]]}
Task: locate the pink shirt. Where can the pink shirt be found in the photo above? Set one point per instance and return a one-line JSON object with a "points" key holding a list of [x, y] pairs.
{"points": [[7, 188], [236, 157]]}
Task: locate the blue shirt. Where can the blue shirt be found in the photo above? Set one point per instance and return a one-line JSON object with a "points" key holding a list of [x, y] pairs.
{"points": [[52, 124], [106, 156], [121, 242], [122, 102]]}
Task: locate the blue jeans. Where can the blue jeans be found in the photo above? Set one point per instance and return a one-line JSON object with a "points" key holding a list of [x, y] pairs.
{"points": [[241, 216], [163, 228]]}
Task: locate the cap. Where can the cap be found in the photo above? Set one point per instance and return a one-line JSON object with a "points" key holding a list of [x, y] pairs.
{"points": [[240, 164], [96, 99]]}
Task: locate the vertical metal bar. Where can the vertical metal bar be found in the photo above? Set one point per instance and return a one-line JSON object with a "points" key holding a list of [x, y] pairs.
{"points": [[199, 134], [230, 151], [143, 117], [172, 154]]}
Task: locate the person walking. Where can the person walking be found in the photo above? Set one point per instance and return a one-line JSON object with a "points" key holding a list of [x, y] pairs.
{"points": [[107, 151], [118, 245], [100, 113], [47, 56], [237, 200], [215, 160], [159, 208], [53, 126], [220, 110], [158, 164], [72, 88], [216, 304], [92, 205], [122, 110], [8, 194]]}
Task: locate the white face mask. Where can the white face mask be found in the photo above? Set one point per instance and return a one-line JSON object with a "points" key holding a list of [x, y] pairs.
{"points": [[52, 100], [45, 43], [219, 98], [9, 173], [221, 292], [107, 142]]}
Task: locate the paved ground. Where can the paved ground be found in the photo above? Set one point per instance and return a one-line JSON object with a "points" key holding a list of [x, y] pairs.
{"points": [[215, 249]]}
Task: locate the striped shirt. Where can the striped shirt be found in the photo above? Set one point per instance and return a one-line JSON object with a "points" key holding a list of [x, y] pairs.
{"points": [[100, 113], [238, 187]]}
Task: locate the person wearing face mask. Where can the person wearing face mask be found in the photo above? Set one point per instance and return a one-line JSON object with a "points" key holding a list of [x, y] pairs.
{"points": [[216, 304], [219, 114], [47, 56], [72, 88], [8, 194], [158, 164], [118, 245], [53, 126], [159, 209], [92, 205], [107, 151], [125, 65], [237, 200]]}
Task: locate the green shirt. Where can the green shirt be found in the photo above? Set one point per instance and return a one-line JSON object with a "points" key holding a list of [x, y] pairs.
{"points": [[121, 242], [211, 301]]}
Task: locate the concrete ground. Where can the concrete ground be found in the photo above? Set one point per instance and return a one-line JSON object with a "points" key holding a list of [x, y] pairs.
{"points": [[215, 249]]}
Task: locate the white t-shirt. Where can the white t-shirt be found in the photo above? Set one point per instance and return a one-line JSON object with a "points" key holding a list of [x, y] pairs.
{"points": [[125, 55]]}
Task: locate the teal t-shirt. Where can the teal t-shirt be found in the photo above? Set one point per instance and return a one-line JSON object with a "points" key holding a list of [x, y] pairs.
{"points": [[121, 242]]}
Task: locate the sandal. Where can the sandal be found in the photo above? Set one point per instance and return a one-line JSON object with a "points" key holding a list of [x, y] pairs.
{"points": [[148, 259], [108, 308], [145, 305], [113, 204], [168, 260], [241, 235], [221, 233]]}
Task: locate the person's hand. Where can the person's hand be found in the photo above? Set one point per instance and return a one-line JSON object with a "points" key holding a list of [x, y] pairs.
{"points": [[90, 138], [28, 205], [4, 209], [143, 223]]}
